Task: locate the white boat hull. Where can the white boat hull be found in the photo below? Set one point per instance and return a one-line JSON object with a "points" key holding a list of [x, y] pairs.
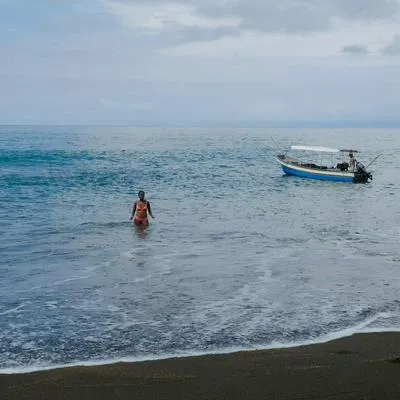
{"points": [[292, 166]]}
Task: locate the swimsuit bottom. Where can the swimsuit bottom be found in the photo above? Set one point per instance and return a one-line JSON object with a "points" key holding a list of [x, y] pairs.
{"points": [[141, 221]]}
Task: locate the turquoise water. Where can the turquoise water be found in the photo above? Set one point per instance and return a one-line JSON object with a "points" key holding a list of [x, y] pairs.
{"points": [[239, 255]]}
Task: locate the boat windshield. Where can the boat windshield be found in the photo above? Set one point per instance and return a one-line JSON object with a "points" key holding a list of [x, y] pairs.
{"points": [[319, 156]]}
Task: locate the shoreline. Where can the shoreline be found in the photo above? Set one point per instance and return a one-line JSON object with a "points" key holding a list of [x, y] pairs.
{"points": [[131, 360], [360, 366]]}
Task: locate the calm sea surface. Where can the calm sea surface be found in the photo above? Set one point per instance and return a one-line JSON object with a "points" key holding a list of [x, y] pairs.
{"points": [[238, 257]]}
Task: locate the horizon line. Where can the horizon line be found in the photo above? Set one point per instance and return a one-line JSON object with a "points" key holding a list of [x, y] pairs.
{"points": [[378, 123]]}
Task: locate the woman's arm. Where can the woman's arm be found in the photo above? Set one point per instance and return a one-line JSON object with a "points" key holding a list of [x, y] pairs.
{"points": [[133, 210], [149, 209]]}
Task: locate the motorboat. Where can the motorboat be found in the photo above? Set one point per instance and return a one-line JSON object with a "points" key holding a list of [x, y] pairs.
{"points": [[344, 171]]}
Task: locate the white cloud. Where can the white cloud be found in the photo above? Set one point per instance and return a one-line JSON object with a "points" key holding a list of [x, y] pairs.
{"points": [[393, 48], [108, 103], [156, 61], [261, 45], [153, 15], [260, 28], [285, 16]]}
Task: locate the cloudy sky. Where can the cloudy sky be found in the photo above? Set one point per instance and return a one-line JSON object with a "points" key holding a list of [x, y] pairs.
{"points": [[198, 62]]}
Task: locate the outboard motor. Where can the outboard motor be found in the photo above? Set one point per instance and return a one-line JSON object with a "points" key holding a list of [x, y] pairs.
{"points": [[361, 175]]}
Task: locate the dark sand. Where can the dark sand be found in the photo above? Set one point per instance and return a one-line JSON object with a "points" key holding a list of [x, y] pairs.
{"points": [[363, 366]]}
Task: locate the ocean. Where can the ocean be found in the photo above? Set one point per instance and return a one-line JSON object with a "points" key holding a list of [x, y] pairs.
{"points": [[239, 256]]}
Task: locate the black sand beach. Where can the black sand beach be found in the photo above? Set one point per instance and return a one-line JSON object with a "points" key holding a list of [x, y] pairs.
{"points": [[362, 366]]}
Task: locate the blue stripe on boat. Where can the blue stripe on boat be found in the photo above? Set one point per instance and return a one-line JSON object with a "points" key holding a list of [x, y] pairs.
{"points": [[312, 175]]}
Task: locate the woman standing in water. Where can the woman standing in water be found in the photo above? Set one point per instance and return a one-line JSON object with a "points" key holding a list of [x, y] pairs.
{"points": [[139, 211]]}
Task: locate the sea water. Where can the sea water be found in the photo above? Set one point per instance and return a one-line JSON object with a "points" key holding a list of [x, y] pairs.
{"points": [[239, 256]]}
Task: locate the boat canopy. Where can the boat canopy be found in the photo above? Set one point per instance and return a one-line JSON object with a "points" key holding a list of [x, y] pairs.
{"points": [[316, 148]]}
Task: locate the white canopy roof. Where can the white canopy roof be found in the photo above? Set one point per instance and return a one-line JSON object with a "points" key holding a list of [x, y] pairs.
{"points": [[316, 148]]}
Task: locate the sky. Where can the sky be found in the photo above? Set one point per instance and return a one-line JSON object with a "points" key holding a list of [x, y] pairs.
{"points": [[200, 62]]}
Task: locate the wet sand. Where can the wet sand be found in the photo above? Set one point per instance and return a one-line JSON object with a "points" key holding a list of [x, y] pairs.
{"points": [[362, 366]]}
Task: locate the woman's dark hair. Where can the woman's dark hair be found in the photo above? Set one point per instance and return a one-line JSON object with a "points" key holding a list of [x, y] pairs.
{"points": [[140, 191]]}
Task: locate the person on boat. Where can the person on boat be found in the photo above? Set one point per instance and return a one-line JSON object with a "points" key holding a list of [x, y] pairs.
{"points": [[352, 162], [140, 210]]}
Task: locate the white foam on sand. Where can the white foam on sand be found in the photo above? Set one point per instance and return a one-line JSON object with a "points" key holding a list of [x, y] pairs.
{"points": [[360, 328]]}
